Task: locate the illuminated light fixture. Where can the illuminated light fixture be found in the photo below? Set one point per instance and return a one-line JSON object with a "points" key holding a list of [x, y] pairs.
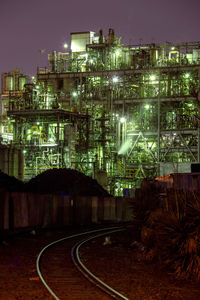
{"points": [[117, 52], [65, 45], [150, 144], [48, 145], [74, 94], [172, 48], [153, 77], [190, 104], [51, 141], [85, 55], [115, 79], [38, 123], [122, 120], [32, 77], [24, 151], [147, 106], [187, 75]]}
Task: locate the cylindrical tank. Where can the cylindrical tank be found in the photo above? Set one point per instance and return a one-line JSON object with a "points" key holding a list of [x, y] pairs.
{"points": [[153, 56], [9, 83], [54, 61], [111, 36], [22, 82]]}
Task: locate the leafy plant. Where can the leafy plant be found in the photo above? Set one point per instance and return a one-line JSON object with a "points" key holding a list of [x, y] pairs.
{"points": [[173, 234]]}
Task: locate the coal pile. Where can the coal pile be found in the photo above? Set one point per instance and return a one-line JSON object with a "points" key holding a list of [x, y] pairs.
{"points": [[65, 181], [10, 183]]}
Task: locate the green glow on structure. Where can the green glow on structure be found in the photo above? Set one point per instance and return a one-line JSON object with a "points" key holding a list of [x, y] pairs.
{"points": [[117, 52], [152, 77], [115, 79], [187, 75], [122, 120]]}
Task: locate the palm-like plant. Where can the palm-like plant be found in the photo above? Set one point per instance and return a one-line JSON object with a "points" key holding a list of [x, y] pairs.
{"points": [[175, 234]]}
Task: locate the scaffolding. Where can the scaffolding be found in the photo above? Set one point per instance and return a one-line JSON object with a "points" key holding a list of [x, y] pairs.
{"points": [[119, 113]]}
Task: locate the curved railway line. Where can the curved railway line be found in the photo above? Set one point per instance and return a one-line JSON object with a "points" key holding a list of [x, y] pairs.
{"points": [[61, 269]]}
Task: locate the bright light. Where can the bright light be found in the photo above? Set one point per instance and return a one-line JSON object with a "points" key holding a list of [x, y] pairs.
{"points": [[152, 77], [172, 48], [65, 45], [147, 106], [74, 94], [115, 79], [122, 120], [124, 148], [51, 140], [187, 75], [117, 52], [48, 145], [150, 145]]}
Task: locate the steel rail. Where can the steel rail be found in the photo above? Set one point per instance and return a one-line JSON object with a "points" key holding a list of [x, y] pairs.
{"points": [[56, 242], [88, 274]]}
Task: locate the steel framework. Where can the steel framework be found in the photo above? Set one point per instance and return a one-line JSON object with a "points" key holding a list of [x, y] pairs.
{"points": [[116, 112]]}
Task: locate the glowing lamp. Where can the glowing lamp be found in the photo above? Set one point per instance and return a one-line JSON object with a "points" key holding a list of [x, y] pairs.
{"points": [[153, 77], [147, 106], [115, 79], [187, 75], [122, 120]]}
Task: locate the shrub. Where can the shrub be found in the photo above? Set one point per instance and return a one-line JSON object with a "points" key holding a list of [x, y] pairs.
{"points": [[173, 235]]}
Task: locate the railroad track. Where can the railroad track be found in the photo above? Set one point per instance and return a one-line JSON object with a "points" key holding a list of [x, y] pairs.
{"points": [[61, 269]]}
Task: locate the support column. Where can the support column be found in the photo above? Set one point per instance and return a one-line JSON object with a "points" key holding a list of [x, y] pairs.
{"points": [[158, 111], [198, 102]]}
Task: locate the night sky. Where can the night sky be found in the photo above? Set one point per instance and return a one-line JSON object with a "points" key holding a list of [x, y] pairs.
{"points": [[27, 26]]}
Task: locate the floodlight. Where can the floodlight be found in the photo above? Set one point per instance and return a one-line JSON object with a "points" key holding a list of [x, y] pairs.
{"points": [[187, 75], [122, 120], [117, 52], [115, 79], [147, 106]]}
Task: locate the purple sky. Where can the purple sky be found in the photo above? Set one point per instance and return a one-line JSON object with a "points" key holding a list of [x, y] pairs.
{"points": [[26, 26]]}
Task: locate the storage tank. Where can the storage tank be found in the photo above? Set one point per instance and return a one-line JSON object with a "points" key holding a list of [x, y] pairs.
{"points": [[22, 82], [9, 83]]}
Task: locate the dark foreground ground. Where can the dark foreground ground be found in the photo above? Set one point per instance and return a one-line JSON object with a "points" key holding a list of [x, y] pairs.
{"points": [[117, 264]]}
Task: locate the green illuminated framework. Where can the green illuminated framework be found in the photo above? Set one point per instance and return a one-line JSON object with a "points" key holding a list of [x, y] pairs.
{"points": [[117, 113]]}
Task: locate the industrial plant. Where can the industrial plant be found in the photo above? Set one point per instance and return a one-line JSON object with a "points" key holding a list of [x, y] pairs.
{"points": [[118, 113]]}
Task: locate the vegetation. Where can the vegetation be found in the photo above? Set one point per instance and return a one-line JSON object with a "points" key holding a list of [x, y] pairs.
{"points": [[170, 230]]}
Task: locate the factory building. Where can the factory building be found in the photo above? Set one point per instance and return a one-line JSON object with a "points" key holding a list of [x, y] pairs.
{"points": [[11, 154], [116, 112]]}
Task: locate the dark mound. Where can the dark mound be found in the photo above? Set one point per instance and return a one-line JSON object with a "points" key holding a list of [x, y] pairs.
{"points": [[10, 183], [65, 181]]}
